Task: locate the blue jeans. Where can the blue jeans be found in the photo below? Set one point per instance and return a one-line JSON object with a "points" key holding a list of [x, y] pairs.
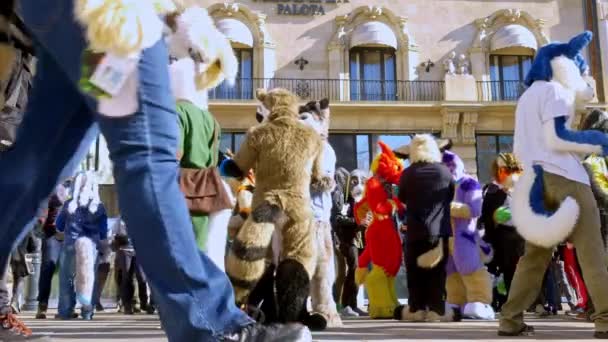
{"points": [[51, 249], [67, 296], [194, 296]]}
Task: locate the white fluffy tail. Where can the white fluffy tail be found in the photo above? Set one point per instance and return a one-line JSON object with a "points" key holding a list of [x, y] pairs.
{"points": [[535, 226], [85, 269]]}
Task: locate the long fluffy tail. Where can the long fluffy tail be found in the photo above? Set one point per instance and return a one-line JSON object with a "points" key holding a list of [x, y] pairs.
{"points": [[246, 259], [533, 221], [85, 269]]}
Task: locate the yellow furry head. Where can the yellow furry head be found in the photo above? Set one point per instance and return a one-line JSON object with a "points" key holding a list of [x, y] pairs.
{"points": [[121, 27], [197, 37], [424, 148], [279, 102]]}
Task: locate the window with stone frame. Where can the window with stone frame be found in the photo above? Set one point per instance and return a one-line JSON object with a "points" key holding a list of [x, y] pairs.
{"points": [[244, 85], [231, 141], [508, 73], [373, 74], [488, 147]]}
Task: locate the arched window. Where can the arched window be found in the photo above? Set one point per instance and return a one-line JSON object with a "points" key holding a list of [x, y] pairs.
{"points": [[512, 49], [242, 42], [502, 53], [372, 60]]}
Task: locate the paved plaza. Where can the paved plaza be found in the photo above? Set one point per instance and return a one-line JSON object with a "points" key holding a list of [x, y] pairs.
{"points": [[120, 328]]}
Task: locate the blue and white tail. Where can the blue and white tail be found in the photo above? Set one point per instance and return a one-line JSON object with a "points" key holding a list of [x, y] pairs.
{"points": [[534, 222]]}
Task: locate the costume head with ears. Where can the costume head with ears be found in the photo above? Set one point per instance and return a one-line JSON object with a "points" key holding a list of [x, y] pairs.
{"points": [[506, 169], [565, 64], [316, 114], [195, 37]]}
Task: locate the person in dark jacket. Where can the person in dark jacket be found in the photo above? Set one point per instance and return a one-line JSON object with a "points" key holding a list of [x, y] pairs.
{"points": [[348, 238], [51, 247], [500, 232], [426, 189]]}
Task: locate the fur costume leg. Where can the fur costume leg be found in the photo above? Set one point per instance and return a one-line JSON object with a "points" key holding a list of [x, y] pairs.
{"points": [[296, 268], [262, 304], [246, 261], [456, 291], [321, 285], [478, 287], [293, 287], [84, 280], [381, 304]]}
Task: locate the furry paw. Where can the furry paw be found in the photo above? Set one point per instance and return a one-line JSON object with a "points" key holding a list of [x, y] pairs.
{"points": [[315, 322], [360, 275], [266, 213], [325, 184], [403, 313], [229, 168]]}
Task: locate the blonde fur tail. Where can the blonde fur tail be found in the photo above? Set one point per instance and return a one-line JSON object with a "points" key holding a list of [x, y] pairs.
{"points": [[85, 269], [533, 222], [431, 258]]}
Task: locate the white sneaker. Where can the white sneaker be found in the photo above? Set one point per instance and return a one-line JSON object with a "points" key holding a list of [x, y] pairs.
{"points": [[348, 312]]}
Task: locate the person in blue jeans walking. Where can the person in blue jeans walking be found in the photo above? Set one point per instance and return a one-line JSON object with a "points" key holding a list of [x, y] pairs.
{"points": [[195, 298], [84, 223]]}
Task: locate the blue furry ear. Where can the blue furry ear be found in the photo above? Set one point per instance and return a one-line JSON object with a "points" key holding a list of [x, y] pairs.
{"points": [[578, 43]]}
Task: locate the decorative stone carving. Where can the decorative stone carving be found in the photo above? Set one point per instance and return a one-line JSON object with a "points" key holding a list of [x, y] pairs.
{"points": [[230, 8], [463, 65], [487, 26], [256, 21], [373, 11], [469, 125], [449, 127], [449, 65]]}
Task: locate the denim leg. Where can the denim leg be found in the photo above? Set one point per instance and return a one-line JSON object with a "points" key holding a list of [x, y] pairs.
{"points": [[195, 297], [51, 248], [57, 128], [67, 269], [56, 132]]}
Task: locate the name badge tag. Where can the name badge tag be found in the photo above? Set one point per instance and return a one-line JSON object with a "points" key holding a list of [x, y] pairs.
{"points": [[112, 73]]}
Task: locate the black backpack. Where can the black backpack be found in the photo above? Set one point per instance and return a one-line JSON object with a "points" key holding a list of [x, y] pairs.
{"points": [[16, 90]]}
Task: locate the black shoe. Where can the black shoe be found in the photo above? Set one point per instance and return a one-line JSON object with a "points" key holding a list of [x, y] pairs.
{"points": [[99, 308], [360, 312], [603, 335], [525, 331], [150, 310], [271, 333]]}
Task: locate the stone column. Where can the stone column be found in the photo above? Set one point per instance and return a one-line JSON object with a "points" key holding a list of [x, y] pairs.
{"points": [[337, 72], [602, 16]]}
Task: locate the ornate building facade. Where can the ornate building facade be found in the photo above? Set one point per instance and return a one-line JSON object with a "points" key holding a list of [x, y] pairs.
{"points": [[393, 68]]}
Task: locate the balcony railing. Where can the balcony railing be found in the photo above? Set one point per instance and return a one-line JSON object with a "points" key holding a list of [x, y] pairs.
{"points": [[497, 91], [336, 90]]}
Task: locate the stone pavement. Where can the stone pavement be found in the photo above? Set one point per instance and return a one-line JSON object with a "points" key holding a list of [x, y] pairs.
{"points": [[119, 328]]}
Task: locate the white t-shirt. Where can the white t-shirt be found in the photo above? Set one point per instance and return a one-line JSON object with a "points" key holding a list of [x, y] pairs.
{"points": [[542, 102]]}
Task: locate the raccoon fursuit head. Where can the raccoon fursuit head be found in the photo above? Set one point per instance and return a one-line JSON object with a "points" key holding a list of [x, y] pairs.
{"points": [[281, 200]]}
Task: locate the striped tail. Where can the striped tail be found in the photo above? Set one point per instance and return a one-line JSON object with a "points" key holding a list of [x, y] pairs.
{"points": [[533, 221], [246, 259]]}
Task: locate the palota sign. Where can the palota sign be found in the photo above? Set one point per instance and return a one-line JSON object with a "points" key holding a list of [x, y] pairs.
{"points": [[302, 7]]}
